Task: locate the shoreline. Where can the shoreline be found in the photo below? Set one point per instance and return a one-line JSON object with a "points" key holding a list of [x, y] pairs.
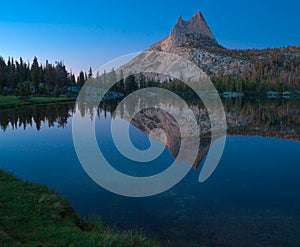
{"points": [[11, 102], [33, 215]]}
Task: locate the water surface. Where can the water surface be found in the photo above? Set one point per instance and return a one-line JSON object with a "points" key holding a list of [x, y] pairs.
{"points": [[252, 199]]}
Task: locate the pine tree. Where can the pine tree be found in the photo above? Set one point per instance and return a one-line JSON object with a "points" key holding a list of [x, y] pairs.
{"points": [[35, 73], [80, 79], [90, 73]]}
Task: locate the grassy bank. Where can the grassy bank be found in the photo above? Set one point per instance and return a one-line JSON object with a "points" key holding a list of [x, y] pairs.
{"points": [[32, 215], [14, 101]]}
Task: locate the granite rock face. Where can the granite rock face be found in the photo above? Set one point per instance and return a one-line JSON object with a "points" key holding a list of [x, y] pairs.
{"points": [[186, 31], [194, 41]]}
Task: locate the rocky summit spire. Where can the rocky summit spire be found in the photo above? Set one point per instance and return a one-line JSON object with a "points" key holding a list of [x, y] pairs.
{"points": [[192, 30]]}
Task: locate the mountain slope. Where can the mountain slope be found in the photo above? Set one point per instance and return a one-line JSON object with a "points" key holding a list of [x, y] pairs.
{"points": [[194, 41], [241, 70]]}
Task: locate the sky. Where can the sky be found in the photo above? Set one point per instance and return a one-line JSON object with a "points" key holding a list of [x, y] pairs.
{"points": [[90, 33]]}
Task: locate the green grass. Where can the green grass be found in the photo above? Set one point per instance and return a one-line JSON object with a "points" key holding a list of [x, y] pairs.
{"points": [[14, 101], [32, 215], [7, 101]]}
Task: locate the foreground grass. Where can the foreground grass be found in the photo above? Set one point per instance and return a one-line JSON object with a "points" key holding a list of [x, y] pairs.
{"points": [[32, 215], [14, 101]]}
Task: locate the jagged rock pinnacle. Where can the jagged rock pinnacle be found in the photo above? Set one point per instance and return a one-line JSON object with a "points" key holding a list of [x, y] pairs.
{"points": [[192, 30], [179, 20], [194, 41]]}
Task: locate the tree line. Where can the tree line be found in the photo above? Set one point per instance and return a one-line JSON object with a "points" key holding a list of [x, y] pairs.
{"points": [[272, 69], [275, 69], [24, 79]]}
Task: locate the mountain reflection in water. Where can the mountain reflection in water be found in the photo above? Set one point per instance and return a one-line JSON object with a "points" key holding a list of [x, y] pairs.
{"points": [[252, 199], [245, 117]]}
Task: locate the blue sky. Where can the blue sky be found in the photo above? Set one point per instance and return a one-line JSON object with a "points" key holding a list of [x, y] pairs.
{"points": [[90, 33]]}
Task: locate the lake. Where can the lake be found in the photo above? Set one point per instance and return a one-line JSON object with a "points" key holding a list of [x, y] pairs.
{"points": [[252, 198]]}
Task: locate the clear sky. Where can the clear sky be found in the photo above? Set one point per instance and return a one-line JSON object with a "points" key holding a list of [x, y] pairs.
{"points": [[92, 32]]}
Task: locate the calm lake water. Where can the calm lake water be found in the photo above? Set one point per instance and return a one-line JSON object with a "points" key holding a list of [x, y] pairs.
{"points": [[252, 199]]}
